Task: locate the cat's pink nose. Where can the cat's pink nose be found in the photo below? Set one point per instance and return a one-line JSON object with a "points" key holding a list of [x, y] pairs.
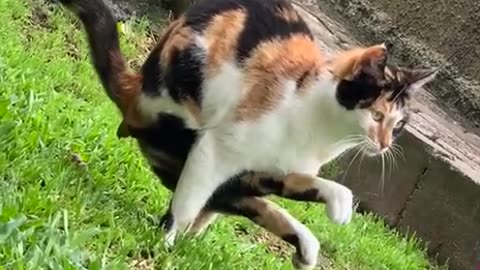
{"points": [[384, 146]]}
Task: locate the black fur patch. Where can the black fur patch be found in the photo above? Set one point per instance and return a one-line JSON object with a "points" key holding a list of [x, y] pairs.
{"points": [[237, 187], [184, 76], [168, 135], [309, 195], [166, 222], [152, 73], [271, 185], [169, 178], [232, 206], [295, 241], [399, 94], [361, 92], [202, 12], [262, 24]]}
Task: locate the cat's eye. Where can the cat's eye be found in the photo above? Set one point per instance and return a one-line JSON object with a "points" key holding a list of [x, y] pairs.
{"points": [[399, 124], [377, 116]]}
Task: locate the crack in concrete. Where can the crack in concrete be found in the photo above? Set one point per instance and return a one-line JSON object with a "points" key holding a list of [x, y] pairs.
{"points": [[401, 214]]}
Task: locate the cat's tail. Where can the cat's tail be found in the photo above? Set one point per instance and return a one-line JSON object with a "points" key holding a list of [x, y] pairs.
{"points": [[121, 85]]}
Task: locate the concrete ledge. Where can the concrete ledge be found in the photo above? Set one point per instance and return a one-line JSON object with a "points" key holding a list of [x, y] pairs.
{"points": [[435, 190]]}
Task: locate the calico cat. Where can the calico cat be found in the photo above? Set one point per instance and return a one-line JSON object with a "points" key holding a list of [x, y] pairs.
{"points": [[236, 102]]}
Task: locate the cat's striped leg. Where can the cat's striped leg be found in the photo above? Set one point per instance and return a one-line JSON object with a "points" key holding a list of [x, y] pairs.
{"points": [[304, 187], [203, 220], [277, 221]]}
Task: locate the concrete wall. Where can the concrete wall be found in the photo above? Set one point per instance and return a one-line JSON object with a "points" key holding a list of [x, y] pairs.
{"points": [[424, 195], [433, 33]]}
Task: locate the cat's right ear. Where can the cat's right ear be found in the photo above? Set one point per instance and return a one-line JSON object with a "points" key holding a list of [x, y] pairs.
{"points": [[372, 62]]}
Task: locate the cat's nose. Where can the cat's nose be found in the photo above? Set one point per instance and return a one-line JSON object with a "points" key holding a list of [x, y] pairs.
{"points": [[384, 145]]}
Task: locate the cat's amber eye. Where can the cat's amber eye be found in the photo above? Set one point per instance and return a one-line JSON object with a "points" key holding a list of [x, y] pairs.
{"points": [[377, 116]]}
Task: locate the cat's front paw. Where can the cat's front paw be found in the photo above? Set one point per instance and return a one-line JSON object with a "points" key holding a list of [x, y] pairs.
{"points": [[340, 204], [168, 225]]}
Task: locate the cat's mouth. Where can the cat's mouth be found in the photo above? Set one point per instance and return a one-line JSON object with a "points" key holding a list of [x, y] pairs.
{"points": [[375, 150]]}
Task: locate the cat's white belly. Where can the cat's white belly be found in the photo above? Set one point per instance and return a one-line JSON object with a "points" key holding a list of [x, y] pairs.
{"points": [[273, 145]]}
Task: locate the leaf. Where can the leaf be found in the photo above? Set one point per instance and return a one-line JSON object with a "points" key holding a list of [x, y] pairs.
{"points": [[82, 237], [8, 228], [122, 28], [3, 107], [6, 128]]}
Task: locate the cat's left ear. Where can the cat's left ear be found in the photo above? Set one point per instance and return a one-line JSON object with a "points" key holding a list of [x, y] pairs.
{"points": [[416, 78], [372, 62]]}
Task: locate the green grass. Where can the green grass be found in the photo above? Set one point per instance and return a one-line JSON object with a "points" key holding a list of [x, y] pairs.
{"points": [[101, 213]]}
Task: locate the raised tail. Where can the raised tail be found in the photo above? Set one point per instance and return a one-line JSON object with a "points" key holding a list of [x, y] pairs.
{"points": [[121, 85]]}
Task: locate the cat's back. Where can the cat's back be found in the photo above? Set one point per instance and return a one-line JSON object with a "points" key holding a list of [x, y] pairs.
{"points": [[230, 55], [243, 25]]}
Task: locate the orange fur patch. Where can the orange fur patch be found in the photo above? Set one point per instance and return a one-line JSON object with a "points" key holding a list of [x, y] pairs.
{"points": [[176, 38], [297, 183], [383, 133], [127, 90], [194, 110], [343, 64], [202, 221], [269, 215], [222, 37], [130, 88], [297, 58], [347, 63]]}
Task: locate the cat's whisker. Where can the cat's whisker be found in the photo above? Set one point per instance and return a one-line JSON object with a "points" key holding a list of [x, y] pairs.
{"points": [[383, 176], [394, 160], [399, 151], [391, 162], [364, 148], [350, 139], [360, 147]]}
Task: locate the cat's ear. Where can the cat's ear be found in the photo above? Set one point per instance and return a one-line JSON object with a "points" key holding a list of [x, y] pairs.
{"points": [[372, 62], [416, 78]]}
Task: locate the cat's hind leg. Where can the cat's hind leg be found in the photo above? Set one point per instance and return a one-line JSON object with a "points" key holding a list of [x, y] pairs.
{"points": [[203, 220], [279, 222], [201, 223]]}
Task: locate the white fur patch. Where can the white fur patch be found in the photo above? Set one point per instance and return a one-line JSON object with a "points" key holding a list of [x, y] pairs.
{"points": [[221, 93], [150, 107], [339, 201]]}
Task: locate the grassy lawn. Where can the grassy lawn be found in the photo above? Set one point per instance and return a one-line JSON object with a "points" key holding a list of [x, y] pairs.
{"points": [[73, 196]]}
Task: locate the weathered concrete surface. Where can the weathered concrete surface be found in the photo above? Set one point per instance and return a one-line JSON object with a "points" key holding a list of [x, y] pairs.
{"points": [[435, 190], [432, 33], [425, 194]]}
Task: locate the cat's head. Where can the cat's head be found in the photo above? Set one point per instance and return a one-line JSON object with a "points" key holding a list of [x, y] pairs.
{"points": [[379, 94]]}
